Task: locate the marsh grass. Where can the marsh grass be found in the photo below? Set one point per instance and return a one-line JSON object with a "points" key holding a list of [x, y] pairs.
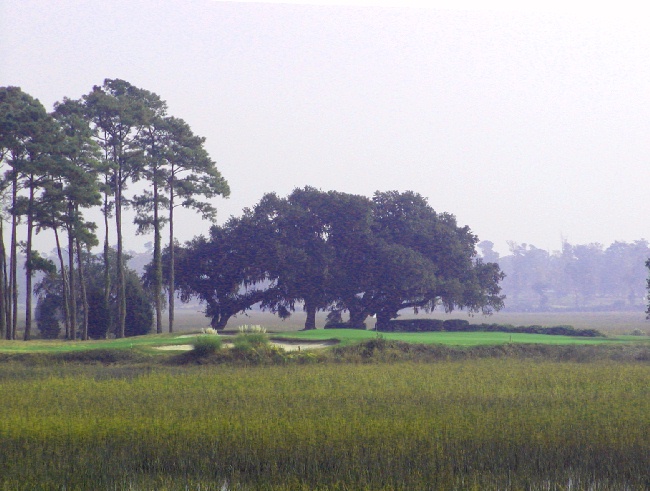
{"points": [[471, 424]]}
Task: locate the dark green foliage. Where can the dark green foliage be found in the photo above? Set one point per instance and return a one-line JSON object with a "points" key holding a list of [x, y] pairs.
{"points": [[99, 317], [49, 305], [139, 312], [338, 251], [414, 325], [456, 325], [47, 316], [226, 272]]}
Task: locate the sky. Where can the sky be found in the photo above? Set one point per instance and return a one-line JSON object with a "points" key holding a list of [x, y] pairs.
{"points": [[529, 121]]}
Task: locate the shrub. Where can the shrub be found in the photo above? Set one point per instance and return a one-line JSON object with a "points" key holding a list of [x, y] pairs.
{"points": [[456, 325], [47, 316], [460, 325], [207, 344], [414, 325], [251, 337], [638, 332]]}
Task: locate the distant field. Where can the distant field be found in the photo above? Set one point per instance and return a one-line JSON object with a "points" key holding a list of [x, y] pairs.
{"points": [[613, 323]]}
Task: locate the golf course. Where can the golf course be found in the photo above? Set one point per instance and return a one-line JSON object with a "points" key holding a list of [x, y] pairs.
{"points": [[363, 410]]}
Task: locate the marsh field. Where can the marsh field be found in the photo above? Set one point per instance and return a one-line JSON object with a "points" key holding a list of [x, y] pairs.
{"points": [[375, 415]]}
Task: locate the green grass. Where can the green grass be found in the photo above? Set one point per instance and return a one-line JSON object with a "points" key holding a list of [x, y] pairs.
{"points": [[477, 424], [147, 344], [351, 336], [58, 346]]}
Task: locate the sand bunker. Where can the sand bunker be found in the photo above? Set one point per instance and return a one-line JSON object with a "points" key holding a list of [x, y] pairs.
{"points": [[284, 346], [176, 347]]}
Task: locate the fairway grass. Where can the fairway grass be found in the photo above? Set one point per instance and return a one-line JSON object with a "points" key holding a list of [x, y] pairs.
{"points": [[148, 344], [351, 336]]}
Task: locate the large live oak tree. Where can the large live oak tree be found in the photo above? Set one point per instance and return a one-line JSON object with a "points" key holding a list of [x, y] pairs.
{"points": [[346, 253]]}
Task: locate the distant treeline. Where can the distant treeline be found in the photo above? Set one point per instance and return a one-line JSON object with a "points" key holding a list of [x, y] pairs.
{"points": [[586, 277]]}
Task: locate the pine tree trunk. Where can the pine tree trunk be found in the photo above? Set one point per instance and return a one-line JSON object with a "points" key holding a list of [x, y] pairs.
{"points": [[157, 289], [107, 269], [3, 284], [64, 279], [172, 266], [13, 270], [29, 271], [6, 297], [28, 264], [84, 293], [72, 284], [121, 282]]}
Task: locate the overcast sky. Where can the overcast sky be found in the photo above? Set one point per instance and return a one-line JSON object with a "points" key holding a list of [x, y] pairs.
{"points": [[529, 125]]}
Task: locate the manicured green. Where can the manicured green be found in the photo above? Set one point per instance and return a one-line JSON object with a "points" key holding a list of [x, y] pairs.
{"points": [[476, 424], [350, 336]]}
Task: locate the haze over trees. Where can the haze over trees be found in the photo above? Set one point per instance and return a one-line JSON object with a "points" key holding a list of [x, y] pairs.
{"points": [[87, 153], [577, 277]]}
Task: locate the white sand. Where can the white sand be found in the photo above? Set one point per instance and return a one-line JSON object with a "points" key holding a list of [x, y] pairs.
{"points": [[284, 346]]}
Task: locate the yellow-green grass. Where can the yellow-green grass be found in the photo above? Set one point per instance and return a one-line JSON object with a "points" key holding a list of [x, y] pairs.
{"points": [[476, 424], [350, 336]]}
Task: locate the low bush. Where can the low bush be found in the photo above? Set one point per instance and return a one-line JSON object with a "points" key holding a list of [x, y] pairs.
{"points": [[207, 344], [414, 325], [251, 337]]}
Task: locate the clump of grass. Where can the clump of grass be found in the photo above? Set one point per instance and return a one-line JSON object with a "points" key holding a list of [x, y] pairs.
{"points": [[251, 338], [251, 329], [638, 332], [206, 344]]}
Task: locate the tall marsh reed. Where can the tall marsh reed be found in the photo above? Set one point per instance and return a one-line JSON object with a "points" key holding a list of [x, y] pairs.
{"points": [[476, 424]]}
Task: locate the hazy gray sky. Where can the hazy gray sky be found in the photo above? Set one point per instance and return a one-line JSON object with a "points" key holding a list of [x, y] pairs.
{"points": [[527, 125]]}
